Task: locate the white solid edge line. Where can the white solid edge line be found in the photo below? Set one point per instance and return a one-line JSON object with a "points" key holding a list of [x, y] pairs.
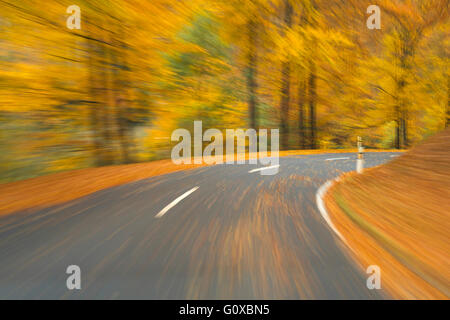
{"points": [[264, 168], [174, 202], [323, 211], [343, 158]]}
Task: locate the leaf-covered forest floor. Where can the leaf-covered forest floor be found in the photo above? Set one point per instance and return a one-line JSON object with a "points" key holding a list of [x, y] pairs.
{"points": [[397, 216], [52, 189]]}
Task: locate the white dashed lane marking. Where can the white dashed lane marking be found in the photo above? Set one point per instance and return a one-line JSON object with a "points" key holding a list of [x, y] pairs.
{"points": [[174, 202], [342, 158], [264, 168]]}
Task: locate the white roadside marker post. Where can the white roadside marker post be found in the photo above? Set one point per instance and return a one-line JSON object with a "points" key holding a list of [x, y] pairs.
{"points": [[360, 160]]}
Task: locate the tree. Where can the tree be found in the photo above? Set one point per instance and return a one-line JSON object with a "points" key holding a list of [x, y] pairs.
{"points": [[410, 22], [286, 81]]}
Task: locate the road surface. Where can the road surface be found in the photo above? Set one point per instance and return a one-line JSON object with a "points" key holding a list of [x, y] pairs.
{"points": [[224, 233]]}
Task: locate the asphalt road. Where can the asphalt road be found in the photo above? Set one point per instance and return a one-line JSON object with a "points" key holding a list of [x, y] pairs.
{"points": [[239, 235]]}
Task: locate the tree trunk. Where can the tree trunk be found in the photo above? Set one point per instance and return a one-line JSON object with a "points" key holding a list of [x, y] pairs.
{"points": [[285, 84], [122, 100], [123, 135], [405, 128], [108, 110], [312, 105], [285, 100], [251, 74], [94, 102], [397, 127], [301, 114]]}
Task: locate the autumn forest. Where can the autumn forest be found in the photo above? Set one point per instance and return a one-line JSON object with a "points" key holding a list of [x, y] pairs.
{"points": [[113, 91]]}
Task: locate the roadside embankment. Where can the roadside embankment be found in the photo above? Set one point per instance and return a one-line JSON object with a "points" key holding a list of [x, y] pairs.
{"points": [[397, 216]]}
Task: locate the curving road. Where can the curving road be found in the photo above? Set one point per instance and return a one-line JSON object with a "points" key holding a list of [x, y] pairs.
{"points": [[224, 233]]}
